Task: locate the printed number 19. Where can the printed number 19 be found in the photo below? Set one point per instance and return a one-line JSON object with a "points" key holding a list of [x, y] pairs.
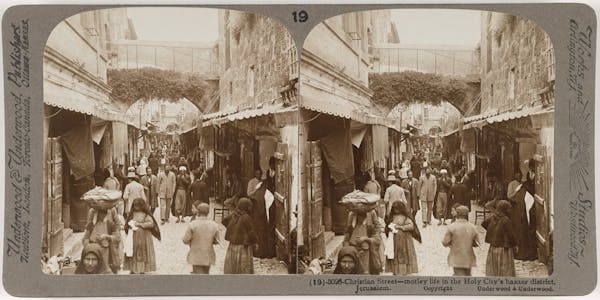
{"points": [[300, 16]]}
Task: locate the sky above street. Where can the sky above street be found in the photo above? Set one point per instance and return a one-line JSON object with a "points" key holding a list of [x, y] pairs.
{"points": [[175, 24], [438, 26]]}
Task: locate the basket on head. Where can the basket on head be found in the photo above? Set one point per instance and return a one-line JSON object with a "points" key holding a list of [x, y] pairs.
{"points": [[102, 204], [360, 207], [360, 202]]}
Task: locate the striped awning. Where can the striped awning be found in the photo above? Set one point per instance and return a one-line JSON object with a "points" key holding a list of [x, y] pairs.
{"points": [[348, 111], [247, 114], [506, 116]]}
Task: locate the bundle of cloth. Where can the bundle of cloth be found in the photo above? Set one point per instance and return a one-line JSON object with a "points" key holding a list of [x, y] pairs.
{"points": [[359, 201]]}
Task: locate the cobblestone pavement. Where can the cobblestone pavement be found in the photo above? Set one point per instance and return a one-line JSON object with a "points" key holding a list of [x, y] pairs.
{"points": [[171, 252], [432, 255]]}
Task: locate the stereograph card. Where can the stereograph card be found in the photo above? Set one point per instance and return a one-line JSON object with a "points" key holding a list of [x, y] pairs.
{"points": [[423, 149]]}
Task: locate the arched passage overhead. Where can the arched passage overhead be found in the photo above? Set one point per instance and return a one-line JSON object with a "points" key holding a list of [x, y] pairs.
{"points": [[144, 84], [392, 89], [163, 114]]}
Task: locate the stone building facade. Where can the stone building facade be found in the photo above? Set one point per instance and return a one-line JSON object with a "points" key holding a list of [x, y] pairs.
{"points": [[257, 56], [516, 62], [515, 130], [77, 99], [255, 126]]}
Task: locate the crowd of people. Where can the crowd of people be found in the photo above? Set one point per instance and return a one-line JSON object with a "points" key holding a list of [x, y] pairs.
{"points": [[122, 237], [382, 239]]}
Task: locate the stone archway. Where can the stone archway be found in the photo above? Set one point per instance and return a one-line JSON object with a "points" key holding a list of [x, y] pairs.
{"points": [[392, 89], [132, 85]]}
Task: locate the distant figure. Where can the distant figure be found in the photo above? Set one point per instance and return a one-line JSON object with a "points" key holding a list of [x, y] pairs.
{"points": [[461, 194], [166, 189], [411, 189], [183, 183], [199, 189], [428, 187], [461, 237], [443, 193]]}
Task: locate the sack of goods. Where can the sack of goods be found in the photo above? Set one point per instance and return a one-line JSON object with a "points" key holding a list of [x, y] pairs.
{"points": [[101, 198], [359, 201]]}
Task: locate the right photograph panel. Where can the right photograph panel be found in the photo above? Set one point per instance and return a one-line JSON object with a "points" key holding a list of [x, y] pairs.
{"points": [[426, 145]]}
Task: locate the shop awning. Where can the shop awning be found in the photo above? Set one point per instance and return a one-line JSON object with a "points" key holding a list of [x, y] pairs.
{"points": [[348, 111], [481, 116], [247, 114], [86, 106], [506, 116], [449, 133], [519, 114]]}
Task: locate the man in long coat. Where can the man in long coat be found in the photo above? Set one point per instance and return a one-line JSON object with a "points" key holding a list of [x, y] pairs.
{"points": [[428, 188], [411, 189], [166, 189], [392, 194]]}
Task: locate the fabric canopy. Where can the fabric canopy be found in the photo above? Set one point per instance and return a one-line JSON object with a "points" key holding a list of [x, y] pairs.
{"points": [[79, 149], [337, 150]]}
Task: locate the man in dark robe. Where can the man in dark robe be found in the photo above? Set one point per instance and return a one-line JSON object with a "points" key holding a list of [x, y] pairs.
{"points": [[461, 194], [153, 163], [524, 227], [264, 225]]}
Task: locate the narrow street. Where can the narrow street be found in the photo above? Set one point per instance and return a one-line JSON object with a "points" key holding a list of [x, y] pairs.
{"points": [[173, 252], [432, 255]]}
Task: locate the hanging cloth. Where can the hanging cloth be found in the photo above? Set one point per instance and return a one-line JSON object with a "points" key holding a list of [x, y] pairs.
{"points": [[79, 149], [337, 150], [380, 142]]}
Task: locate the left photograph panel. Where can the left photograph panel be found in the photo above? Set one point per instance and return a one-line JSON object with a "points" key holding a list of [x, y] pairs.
{"points": [[170, 143]]}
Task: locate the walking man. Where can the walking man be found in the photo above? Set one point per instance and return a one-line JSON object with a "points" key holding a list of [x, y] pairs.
{"points": [[427, 189], [443, 186], [392, 194], [183, 183], [461, 237], [411, 188], [166, 188]]}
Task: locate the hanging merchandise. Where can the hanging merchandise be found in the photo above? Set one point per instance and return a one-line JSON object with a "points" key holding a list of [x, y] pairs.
{"points": [[78, 147], [337, 151]]}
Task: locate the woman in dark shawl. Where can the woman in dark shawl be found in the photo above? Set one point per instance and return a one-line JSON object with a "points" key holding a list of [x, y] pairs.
{"points": [[263, 225], [91, 261], [500, 236], [404, 230], [242, 239], [524, 228], [348, 262], [144, 226]]}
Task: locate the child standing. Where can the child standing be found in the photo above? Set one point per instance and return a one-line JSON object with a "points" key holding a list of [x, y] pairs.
{"points": [[461, 237], [201, 235], [501, 237], [144, 226], [400, 225]]}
